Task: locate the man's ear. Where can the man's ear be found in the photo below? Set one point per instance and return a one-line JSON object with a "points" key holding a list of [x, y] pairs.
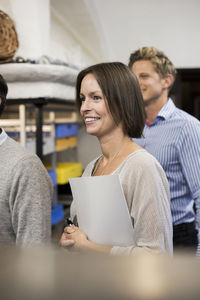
{"points": [[168, 81]]}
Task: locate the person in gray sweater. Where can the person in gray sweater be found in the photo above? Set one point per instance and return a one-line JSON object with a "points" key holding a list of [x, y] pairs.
{"points": [[26, 192]]}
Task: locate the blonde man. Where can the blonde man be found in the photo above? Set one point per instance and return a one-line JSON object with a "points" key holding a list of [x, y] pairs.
{"points": [[173, 137]]}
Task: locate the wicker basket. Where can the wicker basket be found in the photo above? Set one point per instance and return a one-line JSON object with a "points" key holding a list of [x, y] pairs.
{"points": [[8, 38]]}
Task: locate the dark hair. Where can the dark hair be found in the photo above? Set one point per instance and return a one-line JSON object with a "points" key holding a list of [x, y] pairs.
{"points": [[121, 89], [3, 93]]}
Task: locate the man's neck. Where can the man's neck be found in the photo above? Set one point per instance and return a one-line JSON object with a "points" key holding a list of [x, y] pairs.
{"points": [[153, 109]]}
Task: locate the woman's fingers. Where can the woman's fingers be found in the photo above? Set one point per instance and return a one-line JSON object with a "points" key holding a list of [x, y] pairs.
{"points": [[67, 243], [70, 229]]}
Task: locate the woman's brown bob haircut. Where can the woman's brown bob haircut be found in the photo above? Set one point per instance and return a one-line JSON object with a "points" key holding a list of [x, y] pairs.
{"points": [[122, 92]]}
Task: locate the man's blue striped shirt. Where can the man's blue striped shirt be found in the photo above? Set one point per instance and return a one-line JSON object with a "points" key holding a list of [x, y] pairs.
{"points": [[174, 139]]}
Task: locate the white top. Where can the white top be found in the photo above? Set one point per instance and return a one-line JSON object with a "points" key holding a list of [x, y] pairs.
{"points": [[147, 194]]}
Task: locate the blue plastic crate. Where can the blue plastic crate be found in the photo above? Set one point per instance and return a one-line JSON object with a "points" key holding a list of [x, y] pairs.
{"points": [[13, 134], [65, 130], [57, 213], [53, 175]]}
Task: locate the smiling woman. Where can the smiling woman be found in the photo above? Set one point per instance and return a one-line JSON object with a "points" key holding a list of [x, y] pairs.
{"points": [[114, 82], [111, 104], [94, 108]]}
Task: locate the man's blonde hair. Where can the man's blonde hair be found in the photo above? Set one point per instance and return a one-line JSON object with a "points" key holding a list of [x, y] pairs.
{"points": [[162, 65]]}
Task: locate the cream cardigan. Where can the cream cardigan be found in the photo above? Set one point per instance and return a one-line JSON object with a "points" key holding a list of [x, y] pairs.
{"points": [[147, 194]]}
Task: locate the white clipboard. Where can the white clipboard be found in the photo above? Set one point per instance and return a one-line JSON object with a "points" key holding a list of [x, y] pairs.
{"points": [[102, 211]]}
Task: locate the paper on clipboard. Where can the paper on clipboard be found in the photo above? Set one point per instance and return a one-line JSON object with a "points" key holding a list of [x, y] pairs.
{"points": [[102, 211]]}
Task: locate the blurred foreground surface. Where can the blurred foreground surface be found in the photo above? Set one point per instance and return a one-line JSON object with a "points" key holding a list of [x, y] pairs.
{"points": [[55, 274]]}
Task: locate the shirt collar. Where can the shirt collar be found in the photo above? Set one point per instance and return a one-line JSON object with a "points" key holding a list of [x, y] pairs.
{"points": [[3, 136], [167, 110]]}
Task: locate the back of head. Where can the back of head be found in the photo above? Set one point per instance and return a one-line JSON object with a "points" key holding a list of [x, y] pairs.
{"points": [[162, 65], [122, 93], [3, 93]]}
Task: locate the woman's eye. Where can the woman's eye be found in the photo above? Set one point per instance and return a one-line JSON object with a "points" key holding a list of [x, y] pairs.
{"points": [[82, 98], [96, 97]]}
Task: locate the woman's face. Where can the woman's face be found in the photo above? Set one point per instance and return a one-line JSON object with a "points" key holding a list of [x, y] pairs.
{"points": [[94, 108]]}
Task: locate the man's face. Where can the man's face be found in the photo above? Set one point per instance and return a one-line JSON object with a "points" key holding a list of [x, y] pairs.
{"points": [[152, 86]]}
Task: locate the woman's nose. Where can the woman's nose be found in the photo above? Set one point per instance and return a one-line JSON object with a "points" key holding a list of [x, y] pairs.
{"points": [[86, 105]]}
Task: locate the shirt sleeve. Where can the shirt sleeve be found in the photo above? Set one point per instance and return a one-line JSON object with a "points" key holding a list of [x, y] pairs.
{"points": [[150, 210], [30, 202], [189, 156]]}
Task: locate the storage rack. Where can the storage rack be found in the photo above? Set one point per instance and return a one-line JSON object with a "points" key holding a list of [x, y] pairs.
{"points": [[39, 104]]}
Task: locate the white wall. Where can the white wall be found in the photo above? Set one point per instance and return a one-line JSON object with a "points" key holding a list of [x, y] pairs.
{"points": [[32, 22], [64, 45], [54, 28], [6, 7], [173, 26], [74, 32], [96, 30]]}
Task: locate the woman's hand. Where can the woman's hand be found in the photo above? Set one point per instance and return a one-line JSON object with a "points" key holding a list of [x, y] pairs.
{"points": [[74, 238]]}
